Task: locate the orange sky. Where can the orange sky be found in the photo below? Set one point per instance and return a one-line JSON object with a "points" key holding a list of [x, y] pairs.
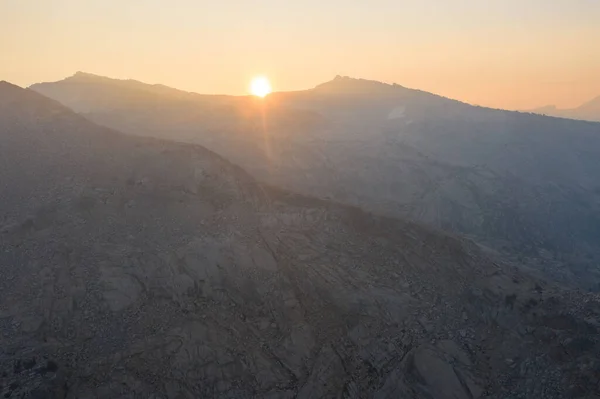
{"points": [[509, 54]]}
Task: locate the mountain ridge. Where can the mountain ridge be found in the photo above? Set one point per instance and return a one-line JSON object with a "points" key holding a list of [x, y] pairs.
{"points": [[343, 84], [143, 267], [493, 175]]}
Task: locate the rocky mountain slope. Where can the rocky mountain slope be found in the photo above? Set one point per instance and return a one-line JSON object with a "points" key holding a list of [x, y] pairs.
{"points": [[138, 268], [527, 186]]}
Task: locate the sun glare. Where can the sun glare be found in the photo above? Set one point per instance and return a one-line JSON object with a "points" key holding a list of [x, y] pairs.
{"points": [[260, 86]]}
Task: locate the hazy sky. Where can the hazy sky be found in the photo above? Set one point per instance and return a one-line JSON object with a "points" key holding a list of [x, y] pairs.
{"points": [[501, 53]]}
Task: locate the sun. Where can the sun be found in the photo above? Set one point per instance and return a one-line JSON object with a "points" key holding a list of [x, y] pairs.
{"points": [[260, 86]]}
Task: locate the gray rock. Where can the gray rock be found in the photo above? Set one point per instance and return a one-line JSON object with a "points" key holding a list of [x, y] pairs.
{"points": [[239, 289], [437, 377]]}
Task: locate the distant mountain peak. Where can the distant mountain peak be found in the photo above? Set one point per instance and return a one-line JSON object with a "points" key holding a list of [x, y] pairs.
{"points": [[86, 76], [593, 103], [339, 78], [545, 109], [347, 84], [589, 111]]}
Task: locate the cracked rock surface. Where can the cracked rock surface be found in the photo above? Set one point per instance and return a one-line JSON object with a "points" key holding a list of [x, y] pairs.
{"points": [[140, 268]]}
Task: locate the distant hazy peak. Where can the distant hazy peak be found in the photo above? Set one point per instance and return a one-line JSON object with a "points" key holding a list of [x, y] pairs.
{"points": [[90, 77], [346, 84], [588, 111], [81, 74], [544, 109], [85, 76], [593, 103], [97, 80]]}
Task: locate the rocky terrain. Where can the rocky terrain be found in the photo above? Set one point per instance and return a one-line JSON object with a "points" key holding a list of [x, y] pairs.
{"points": [[138, 268], [526, 186]]}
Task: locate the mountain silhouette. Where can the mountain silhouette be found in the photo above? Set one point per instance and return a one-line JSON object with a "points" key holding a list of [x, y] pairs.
{"points": [[589, 111], [525, 186]]}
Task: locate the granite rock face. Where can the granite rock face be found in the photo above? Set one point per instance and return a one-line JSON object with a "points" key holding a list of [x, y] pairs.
{"points": [[139, 268]]}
